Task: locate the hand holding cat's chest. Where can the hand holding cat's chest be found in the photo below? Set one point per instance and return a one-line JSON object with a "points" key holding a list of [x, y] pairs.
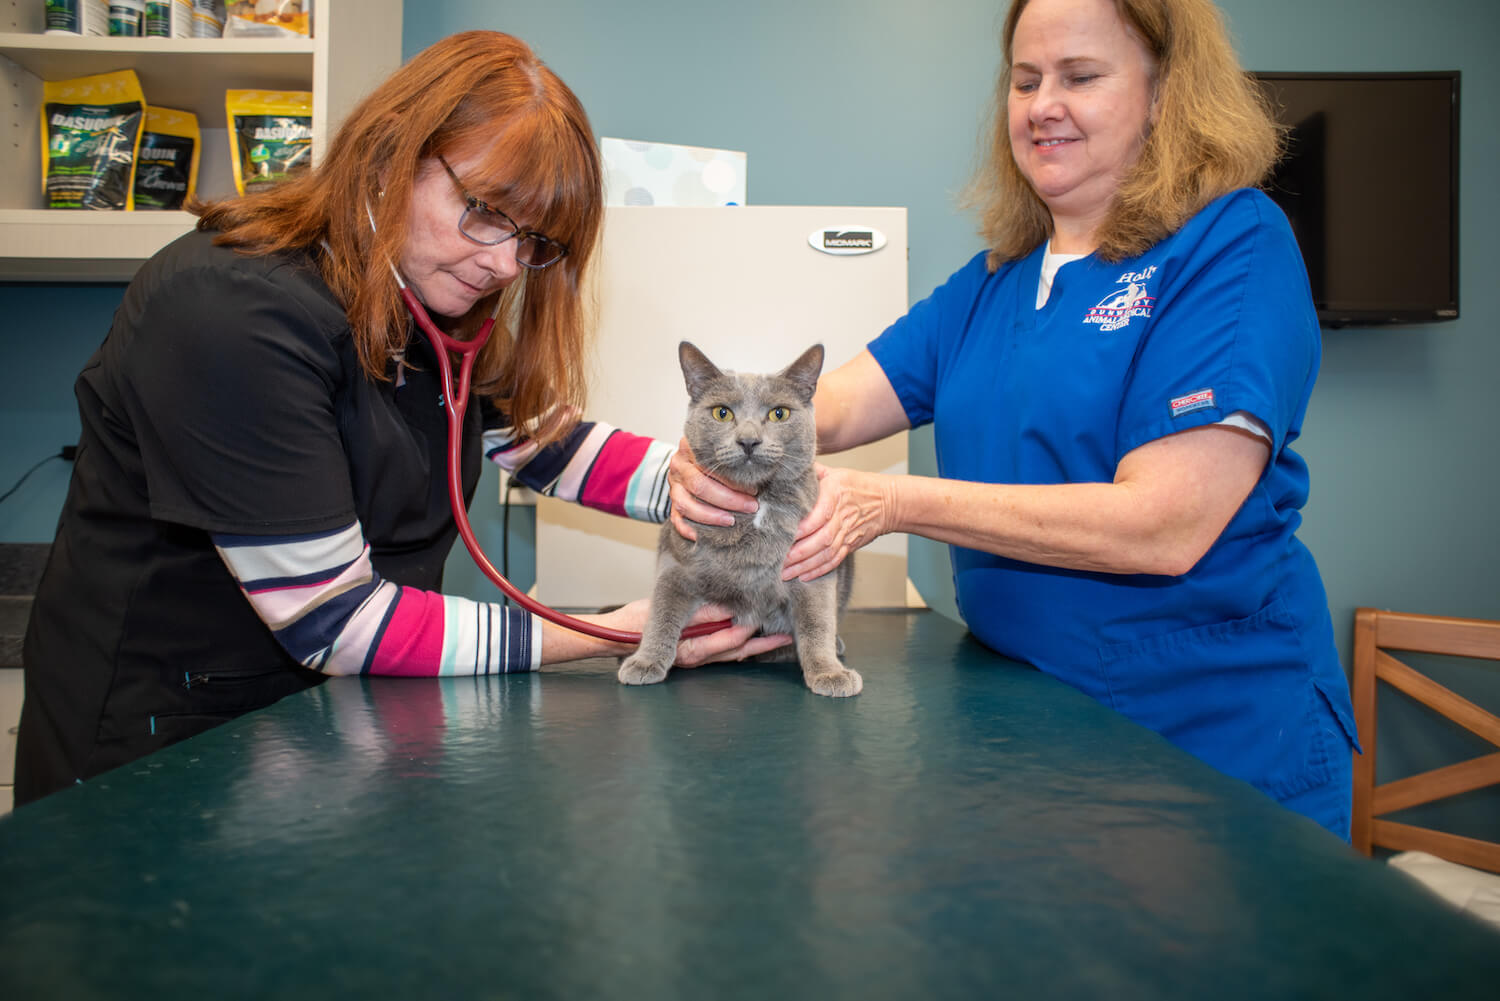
{"points": [[743, 559]]}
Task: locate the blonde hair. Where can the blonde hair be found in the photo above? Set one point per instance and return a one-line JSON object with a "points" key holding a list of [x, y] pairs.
{"points": [[1213, 132], [475, 94]]}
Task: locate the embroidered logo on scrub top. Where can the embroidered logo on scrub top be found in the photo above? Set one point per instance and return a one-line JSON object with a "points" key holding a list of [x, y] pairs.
{"points": [[1119, 308], [1201, 400]]}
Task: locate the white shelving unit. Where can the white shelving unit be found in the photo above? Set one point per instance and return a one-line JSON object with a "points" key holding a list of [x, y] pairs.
{"points": [[355, 45]]}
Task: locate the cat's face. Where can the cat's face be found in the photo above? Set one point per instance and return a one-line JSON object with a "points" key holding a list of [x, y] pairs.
{"points": [[748, 429]]}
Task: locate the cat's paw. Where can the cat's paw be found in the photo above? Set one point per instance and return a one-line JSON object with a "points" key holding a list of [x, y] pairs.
{"points": [[638, 670], [837, 683]]}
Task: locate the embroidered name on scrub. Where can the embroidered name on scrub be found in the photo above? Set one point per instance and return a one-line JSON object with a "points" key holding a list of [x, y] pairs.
{"points": [[1118, 308]]}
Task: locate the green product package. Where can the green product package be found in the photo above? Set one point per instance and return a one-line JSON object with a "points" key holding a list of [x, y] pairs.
{"points": [[270, 135], [91, 127]]}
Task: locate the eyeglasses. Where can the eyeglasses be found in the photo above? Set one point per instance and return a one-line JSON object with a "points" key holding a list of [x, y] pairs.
{"points": [[489, 226]]}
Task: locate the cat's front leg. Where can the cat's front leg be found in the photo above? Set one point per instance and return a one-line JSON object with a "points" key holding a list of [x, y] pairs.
{"points": [[817, 611], [672, 605]]}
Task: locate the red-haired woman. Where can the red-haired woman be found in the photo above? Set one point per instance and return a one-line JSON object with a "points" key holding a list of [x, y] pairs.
{"points": [[259, 498]]}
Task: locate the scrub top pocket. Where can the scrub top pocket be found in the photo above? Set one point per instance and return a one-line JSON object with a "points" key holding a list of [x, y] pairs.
{"points": [[1239, 694]]}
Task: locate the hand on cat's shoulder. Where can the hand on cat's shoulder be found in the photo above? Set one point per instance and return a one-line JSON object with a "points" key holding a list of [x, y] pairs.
{"points": [[698, 497], [849, 515]]}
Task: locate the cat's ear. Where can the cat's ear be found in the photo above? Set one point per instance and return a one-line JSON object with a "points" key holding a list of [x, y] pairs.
{"points": [[697, 370], [803, 373]]}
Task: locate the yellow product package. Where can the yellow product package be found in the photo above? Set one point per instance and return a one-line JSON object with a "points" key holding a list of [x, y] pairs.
{"points": [[268, 18], [166, 171], [91, 126], [270, 135]]}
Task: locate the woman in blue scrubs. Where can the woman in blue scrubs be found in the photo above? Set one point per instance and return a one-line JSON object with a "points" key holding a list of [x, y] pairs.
{"points": [[1114, 385]]}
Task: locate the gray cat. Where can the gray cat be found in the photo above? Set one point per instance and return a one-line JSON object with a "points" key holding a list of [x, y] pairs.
{"points": [[754, 432]]}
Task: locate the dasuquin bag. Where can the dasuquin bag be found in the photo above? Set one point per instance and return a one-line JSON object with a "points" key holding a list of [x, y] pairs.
{"points": [[91, 127], [270, 135], [166, 165]]}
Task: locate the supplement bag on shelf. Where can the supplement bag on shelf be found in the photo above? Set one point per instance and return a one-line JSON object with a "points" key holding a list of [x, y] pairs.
{"points": [[268, 19], [270, 135], [166, 166], [91, 127]]}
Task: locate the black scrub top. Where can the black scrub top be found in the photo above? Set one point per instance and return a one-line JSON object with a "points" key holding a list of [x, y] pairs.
{"points": [[227, 398]]}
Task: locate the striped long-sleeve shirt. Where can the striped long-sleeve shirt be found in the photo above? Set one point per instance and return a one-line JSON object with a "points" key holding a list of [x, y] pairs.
{"points": [[331, 611]]}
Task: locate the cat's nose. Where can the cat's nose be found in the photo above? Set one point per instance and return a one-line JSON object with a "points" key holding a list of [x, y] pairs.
{"points": [[749, 447]]}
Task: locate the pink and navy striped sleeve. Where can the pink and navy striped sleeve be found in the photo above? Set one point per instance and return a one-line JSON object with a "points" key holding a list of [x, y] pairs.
{"points": [[595, 465], [330, 610]]}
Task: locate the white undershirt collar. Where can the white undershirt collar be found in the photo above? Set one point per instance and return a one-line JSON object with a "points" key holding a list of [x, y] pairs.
{"points": [[1050, 263]]}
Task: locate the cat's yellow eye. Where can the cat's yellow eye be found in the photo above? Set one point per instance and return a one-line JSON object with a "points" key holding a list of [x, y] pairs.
{"points": [[722, 414], [779, 414]]}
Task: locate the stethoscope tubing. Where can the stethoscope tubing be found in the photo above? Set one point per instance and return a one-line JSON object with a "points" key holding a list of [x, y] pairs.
{"points": [[456, 403]]}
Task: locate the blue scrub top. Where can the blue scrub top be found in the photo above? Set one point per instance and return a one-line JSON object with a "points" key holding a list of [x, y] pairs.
{"points": [[1235, 660]]}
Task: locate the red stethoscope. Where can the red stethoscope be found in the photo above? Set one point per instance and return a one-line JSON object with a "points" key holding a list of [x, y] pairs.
{"points": [[457, 405]]}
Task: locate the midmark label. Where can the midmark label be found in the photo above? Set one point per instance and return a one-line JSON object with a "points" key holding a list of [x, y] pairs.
{"points": [[845, 241]]}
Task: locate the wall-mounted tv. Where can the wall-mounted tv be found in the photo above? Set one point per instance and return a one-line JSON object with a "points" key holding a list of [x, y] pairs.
{"points": [[1370, 184]]}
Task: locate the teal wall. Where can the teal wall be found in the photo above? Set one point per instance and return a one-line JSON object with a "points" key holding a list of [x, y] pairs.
{"points": [[882, 102], [876, 102], [47, 332]]}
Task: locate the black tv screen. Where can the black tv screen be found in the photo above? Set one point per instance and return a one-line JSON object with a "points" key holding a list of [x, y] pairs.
{"points": [[1370, 185]]}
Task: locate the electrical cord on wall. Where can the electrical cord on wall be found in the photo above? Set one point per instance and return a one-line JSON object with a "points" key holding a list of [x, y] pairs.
{"points": [[66, 453]]}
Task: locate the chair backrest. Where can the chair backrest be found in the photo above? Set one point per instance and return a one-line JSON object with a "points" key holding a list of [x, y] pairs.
{"points": [[1375, 634]]}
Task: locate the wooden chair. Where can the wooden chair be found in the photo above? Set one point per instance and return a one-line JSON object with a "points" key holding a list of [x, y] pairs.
{"points": [[1375, 633]]}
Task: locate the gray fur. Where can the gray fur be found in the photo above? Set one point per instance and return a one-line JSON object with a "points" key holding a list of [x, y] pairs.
{"points": [[739, 566]]}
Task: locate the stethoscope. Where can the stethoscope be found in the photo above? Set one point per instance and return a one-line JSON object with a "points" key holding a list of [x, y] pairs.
{"points": [[457, 404]]}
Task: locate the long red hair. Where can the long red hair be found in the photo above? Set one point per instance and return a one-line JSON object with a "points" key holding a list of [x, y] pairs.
{"points": [[475, 94]]}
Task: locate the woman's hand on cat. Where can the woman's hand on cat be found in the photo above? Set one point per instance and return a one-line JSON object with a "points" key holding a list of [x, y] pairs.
{"points": [[697, 496], [851, 513], [733, 642]]}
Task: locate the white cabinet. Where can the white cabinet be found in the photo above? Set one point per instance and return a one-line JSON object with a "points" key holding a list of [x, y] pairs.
{"points": [[667, 274], [355, 45]]}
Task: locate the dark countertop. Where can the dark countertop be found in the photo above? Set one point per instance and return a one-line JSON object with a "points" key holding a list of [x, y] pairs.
{"points": [[965, 828]]}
